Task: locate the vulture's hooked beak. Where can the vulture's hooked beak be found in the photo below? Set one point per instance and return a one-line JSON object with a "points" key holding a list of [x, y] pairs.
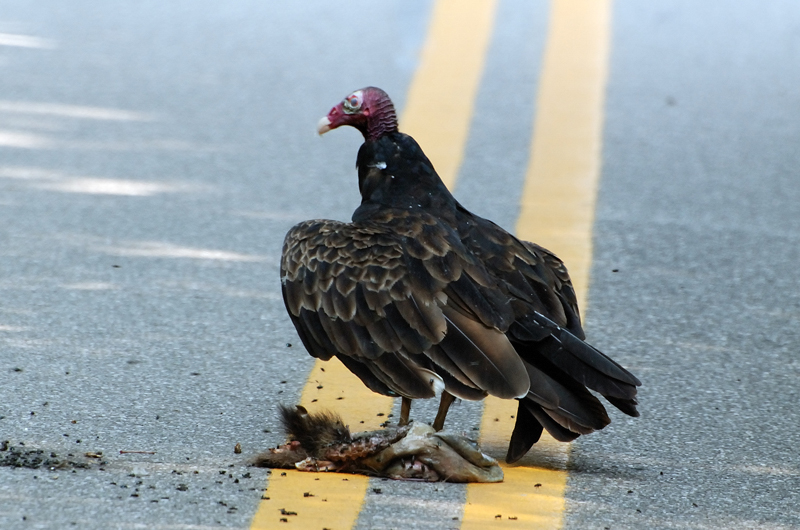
{"points": [[324, 125]]}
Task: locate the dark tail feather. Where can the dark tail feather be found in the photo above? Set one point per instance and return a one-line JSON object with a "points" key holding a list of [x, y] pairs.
{"points": [[577, 360], [532, 419], [628, 406], [567, 402], [559, 401], [562, 434], [527, 431], [587, 354], [554, 351]]}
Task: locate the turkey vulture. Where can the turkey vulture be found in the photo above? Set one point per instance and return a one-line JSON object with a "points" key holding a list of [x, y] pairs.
{"points": [[419, 297]]}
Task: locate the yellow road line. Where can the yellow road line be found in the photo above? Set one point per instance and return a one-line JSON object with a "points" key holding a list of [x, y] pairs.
{"points": [[441, 98], [560, 190], [437, 113], [557, 212]]}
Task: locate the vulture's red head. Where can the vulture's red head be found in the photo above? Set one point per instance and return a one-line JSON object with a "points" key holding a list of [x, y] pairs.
{"points": [[369, 110]]}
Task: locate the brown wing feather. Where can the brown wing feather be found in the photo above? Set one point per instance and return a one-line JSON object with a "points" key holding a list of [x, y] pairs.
{"points": [[375, 293]]}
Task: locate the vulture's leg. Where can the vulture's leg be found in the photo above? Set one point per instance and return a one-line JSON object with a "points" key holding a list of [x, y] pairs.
{"points": [[405, 411], [444, 404]]}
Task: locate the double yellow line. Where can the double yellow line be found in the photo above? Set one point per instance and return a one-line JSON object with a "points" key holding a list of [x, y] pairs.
{"points": [[557, 211]]}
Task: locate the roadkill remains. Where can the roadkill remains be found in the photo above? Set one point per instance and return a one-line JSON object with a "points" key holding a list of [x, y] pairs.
{"points": [[321, 442]]}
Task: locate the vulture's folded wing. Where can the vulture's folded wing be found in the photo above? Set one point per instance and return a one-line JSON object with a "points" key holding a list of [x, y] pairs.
{"points": [[403, 306]]}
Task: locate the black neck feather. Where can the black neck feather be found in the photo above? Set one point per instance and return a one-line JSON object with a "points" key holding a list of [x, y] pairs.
{"points": [[393, 172]]}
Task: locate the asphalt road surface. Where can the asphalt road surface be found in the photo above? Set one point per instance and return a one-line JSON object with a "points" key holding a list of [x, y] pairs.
{"points": [[153, 155]]}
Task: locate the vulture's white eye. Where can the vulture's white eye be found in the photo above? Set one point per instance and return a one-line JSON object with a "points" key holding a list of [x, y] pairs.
{"points": [[352, 103]]}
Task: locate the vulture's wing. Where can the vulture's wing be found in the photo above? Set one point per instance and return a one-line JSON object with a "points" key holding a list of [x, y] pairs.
{"points": [[529, 274], [403, 305], [547, 334]]}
